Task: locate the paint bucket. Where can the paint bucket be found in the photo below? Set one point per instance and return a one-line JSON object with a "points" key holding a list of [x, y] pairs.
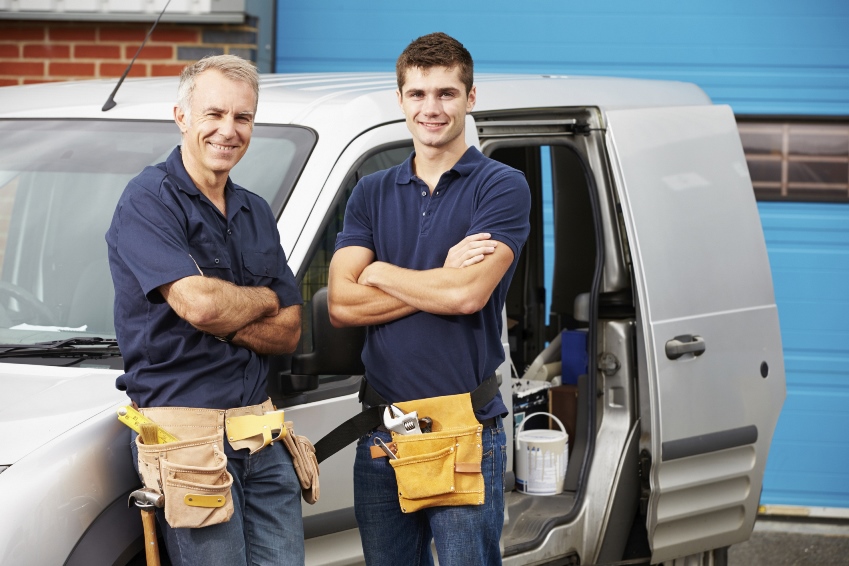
{"points": [[541, 458]]}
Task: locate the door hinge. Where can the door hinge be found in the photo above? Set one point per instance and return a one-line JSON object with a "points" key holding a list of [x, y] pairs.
{"points": [[645, 486]]}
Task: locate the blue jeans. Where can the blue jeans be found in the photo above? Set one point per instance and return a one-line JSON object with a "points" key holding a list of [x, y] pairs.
{"points": [[266, 526], [464, 535]]}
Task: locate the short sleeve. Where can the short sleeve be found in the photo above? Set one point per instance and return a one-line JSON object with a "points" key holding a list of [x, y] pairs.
{"points": [[357, 229], [504, 209], [148, 237]]}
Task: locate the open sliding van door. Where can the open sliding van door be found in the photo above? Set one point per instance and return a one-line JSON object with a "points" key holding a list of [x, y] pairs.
{"points": [[711, 372]]}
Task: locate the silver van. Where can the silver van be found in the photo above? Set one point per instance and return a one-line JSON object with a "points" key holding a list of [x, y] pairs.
{"points": [[645, 240]]}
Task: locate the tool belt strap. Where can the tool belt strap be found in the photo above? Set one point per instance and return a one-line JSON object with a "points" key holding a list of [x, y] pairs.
{"points": [[247, 426], [372, 417]]}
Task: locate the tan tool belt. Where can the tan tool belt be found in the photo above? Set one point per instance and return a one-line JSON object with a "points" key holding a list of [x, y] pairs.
{"points": [[441, 467], [192, 472]]}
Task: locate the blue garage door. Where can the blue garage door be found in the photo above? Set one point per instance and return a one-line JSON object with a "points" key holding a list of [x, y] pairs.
{"points": [[779, 57], [808, 247]]}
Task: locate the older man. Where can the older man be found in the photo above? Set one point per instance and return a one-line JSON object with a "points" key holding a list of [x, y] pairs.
{"points": [[203, 294]]}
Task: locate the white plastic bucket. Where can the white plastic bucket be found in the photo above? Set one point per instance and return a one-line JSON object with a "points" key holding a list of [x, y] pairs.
{"points": [[541, 457]]}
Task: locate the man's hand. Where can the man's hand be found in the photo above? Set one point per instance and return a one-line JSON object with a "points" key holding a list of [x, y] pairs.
{"points": [[277, 334], [470, 250]]}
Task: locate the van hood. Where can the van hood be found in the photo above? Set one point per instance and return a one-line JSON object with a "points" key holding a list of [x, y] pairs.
{"points": [[40, 403]]}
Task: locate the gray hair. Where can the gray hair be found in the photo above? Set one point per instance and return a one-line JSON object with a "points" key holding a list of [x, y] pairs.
{"points": [[233, 67]]}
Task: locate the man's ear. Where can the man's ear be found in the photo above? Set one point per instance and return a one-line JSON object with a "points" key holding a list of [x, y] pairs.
{"points": [[180, 118], [398, 94], [470, 102]]}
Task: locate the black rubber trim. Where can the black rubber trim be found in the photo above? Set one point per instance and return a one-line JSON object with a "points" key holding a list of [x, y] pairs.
{"points": [[707, 443]]}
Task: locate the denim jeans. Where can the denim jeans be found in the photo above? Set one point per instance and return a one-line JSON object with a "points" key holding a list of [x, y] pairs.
{"points": [[266, 527], [464, 535]]}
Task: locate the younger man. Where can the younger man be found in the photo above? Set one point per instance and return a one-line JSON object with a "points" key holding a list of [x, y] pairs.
{"points": [[433, 306]]}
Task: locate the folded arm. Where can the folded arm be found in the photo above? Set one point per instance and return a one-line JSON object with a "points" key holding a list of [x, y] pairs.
{"points": [[352, 304], [364, 292], [446, 290], [219, 307], [276, 334]]}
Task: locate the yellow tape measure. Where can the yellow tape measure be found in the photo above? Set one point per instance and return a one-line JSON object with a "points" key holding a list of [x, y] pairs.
{"points": [[135, 419]]}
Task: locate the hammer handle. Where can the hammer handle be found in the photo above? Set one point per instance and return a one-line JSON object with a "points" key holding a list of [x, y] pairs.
{"points": [[151, 545]]}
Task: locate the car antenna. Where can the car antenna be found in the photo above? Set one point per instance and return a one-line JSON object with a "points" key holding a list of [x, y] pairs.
{"points": [[110, 102]]}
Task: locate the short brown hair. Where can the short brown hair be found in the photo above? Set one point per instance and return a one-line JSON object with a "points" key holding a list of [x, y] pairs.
{"points": [[436, 50]]}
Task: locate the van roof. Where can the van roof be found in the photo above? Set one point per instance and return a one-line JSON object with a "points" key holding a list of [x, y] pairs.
{"points": [[313, 99]]}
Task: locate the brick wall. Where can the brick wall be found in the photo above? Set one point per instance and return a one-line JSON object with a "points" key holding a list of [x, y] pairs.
{"points": [[45, 51]]}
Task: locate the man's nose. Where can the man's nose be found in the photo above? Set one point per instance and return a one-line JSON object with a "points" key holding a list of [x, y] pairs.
{"points": [[227, 126], [432, 105]]}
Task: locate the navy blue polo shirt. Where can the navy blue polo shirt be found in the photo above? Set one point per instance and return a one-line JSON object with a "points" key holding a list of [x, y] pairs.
{"points": [[165, 229], [393, 214]]}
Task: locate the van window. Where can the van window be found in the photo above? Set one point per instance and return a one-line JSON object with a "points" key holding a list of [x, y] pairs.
{"points": [[799, 161], [59, 183]]}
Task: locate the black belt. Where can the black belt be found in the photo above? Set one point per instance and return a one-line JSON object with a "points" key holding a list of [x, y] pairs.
{"points": [[486, 423], [372, 417]]}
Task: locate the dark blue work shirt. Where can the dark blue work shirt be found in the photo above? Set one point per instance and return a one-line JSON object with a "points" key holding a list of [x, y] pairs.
{"points": [[393, 214], [165, 229]]}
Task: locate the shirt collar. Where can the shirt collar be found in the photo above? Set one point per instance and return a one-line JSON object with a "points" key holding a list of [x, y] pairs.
{"points": [[174, 166], [464, 166]]}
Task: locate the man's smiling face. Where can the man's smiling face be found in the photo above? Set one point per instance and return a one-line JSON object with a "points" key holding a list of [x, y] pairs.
{"points": [[218, 130], [435, 103]]}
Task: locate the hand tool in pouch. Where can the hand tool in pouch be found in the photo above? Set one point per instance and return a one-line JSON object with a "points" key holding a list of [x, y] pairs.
{"points": [[139, 423], [148, 501], [395, 420], [382, 445]]}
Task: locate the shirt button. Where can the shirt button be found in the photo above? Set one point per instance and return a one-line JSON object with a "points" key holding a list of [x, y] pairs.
{"points": [[216, 260], [424, 193], [229, 231], [423, 213]]}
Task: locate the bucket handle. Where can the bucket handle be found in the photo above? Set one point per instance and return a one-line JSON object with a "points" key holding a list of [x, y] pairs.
{"points": [[532, 415]]}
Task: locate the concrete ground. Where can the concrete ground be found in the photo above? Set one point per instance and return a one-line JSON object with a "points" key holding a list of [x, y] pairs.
{"points": [[796, 542]]}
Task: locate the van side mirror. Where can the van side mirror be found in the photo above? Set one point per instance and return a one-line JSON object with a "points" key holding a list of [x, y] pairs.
{"points": [[336, 351]]}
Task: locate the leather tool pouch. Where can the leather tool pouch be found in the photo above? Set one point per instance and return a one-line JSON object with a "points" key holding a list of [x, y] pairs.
{"points": [[442, 467], [192, 472], [252, 428], [306, 465]]}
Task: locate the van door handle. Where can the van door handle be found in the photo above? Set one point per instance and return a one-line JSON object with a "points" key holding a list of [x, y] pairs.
{"points": [[685, 344]]}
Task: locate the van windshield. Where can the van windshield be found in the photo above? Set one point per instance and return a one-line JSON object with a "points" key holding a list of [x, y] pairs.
{"points": [[59, 183]]}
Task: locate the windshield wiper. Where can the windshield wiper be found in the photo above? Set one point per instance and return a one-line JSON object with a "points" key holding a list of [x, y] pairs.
{"points": [[94, 347]]}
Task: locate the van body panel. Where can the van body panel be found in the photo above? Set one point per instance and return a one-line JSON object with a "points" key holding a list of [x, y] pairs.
{"points": [[702, 354]]}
